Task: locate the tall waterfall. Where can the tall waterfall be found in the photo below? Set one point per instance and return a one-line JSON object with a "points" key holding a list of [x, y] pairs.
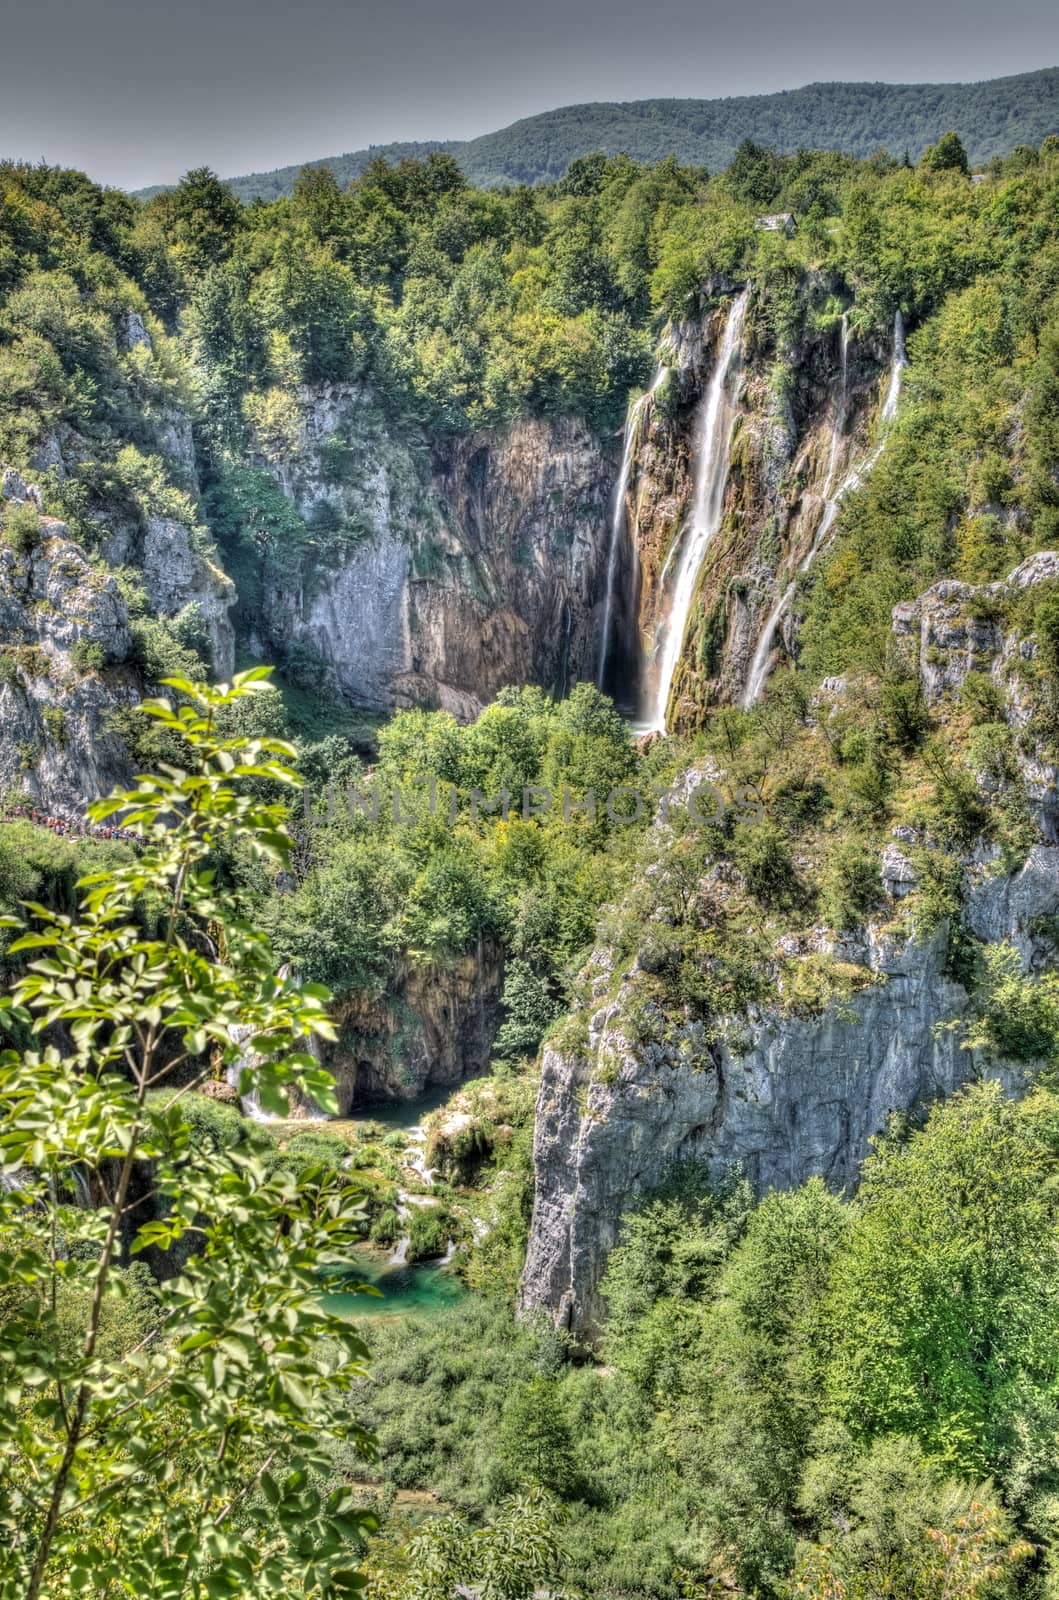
{"points": [[617, 515], [759, 666], [897, 366], [838, 427], [712, 452]]}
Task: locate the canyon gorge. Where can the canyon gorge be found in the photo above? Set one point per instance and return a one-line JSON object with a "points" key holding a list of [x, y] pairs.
{"points": [[579, 663]]}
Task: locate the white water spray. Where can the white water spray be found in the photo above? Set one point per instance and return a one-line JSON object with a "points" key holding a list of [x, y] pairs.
{"points": [[618, 514], [898, 364], [712, 455], [415, 1157], [239, 1033], [759, 666], [841, 406]]}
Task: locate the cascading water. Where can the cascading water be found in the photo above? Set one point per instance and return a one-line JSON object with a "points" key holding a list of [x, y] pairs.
{"points": [[415, 1158], [841, 406], [618, 513], [239, 1033], [893, 393], [712, 454], [759, 666]]}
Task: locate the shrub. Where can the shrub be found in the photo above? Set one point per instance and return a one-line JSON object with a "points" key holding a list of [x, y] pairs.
{"points": [[904, 711], [275, 420], [234, 1376], [21, 527], [530, 1008], [762, 854], [982, 697], [943, 1301], [161, 653], [429, 1231], [958, 806], [88, 656], [1046, 627], [386, 1227], [316, 1148], [54, 719], [852, 884], [1018, 1014], [536, 1439]]}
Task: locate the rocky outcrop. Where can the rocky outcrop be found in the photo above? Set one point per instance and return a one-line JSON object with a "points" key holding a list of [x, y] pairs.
{"points": [[178, 570], [793, 1098], [64, 647], [435, 1025], [177, 575], [448, 569], [960, 628], [518, 595], [956, 629], [781, 1095]]}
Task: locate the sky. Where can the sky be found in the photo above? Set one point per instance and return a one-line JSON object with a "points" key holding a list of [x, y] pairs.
{"points": [[136, 92]]}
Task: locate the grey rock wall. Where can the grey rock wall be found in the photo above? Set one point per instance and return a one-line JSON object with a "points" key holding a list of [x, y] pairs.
{"points": [[780, 1096], [56, 739], [793, 1099], [473, 562]]}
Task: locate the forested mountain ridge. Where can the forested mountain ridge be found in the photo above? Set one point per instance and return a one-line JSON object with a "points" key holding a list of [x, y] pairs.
{"points": [[991, 117]]}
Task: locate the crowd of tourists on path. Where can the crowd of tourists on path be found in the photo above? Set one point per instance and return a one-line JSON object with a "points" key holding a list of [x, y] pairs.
{"points": [[67, 827]]}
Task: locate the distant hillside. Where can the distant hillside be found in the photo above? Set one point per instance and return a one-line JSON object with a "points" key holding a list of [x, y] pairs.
{"points": [[990, 117]]}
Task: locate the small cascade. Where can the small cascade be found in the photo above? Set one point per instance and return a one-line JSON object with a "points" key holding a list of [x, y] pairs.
{"points": [[759, 666], [251, 1106], [897, 366], [712, 454], [308, 1110], [618, 513], [563, 686], [81, 1187], [415, 1158]]}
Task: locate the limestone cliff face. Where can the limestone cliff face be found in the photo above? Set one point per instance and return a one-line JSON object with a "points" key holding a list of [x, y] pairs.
{"points": [[455, 565], [174, 557], [64, 647], [435, 1026], [175, 573], [785, 1096], [954, 629], [797, 1098]]}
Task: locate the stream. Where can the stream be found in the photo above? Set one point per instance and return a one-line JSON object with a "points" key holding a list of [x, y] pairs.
{"points": [[404, 1290]]}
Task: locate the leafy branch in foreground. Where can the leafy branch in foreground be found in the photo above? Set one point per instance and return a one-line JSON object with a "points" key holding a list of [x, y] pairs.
{"points": [[180, 1438]]}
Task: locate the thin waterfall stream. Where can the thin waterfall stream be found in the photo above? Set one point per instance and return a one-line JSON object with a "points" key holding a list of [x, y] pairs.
{"points": [[758, 675], [712, 456], [618, 515]]}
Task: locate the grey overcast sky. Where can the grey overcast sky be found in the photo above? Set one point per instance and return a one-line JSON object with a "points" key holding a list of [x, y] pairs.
{"points": [[137, 91]]}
